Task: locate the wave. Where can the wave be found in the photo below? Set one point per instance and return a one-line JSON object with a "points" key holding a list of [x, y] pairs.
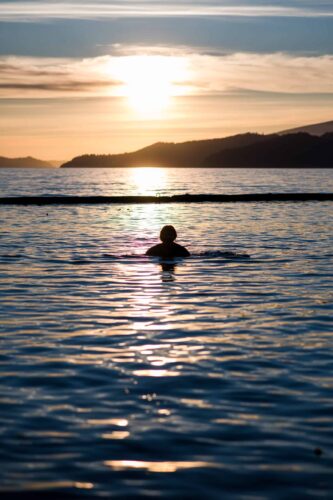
{"points": [[210, 254], [106, 257], [227, 254]]}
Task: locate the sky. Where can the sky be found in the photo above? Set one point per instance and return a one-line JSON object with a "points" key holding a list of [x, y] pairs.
{"points": [[112, 76]]}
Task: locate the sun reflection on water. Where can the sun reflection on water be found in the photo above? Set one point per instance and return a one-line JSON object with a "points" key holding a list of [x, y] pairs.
{"points": [[117, 435], [149, 180], [173, 466]]}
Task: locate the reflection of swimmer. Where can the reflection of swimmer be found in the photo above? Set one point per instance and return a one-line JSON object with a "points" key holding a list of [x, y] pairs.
{"points": [[168, 271], [168, 249]]}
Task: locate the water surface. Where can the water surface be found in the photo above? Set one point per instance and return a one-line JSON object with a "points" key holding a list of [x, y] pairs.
{"points": [[162, 181], [211, 377]]}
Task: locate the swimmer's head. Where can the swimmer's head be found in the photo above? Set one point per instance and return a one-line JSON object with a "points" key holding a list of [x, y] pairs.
{"points": [[168, 234]]}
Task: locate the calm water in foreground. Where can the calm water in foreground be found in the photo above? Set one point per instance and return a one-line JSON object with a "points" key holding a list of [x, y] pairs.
{"points": [[123, 377]]}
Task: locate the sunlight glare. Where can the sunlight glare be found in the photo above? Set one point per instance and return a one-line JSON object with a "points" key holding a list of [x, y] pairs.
{"points": [[149, 180], [150, 82]]}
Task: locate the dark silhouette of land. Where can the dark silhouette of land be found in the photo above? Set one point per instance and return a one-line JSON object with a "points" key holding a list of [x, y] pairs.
{"points": [[164, 154], [305, 146], [291, 150], [245, 150], [27, 162], [313, 129]]}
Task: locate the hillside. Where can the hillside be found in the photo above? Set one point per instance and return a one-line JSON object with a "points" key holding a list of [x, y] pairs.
{"points": [[164, 154], [292, 150], [245, 150], [314, 129], [27, 162]]}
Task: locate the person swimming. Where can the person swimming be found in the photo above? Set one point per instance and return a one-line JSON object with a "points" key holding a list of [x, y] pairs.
{"points": [[168, 249]]}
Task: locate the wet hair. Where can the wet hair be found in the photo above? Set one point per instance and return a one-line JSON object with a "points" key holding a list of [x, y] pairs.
{"points": [[168, 234]]}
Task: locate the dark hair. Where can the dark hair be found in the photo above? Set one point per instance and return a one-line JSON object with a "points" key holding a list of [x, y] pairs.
{"points": [[168, 234]]}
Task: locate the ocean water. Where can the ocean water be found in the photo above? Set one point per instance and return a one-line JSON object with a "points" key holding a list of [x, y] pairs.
{"points": [[162, 181], [208, 377]]}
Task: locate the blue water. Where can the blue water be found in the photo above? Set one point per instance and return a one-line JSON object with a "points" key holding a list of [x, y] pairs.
{"points": [[125, 378]]}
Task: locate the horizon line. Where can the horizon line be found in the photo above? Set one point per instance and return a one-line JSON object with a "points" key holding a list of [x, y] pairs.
{"points": [[285, 132]]}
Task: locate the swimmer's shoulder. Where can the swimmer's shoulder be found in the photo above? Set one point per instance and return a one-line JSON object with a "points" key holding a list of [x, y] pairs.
{"points": [[154, 251], [181, 251], [174, 251]]}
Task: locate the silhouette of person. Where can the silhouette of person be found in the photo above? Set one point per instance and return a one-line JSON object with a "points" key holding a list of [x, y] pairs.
{"points": [[168, 249]]}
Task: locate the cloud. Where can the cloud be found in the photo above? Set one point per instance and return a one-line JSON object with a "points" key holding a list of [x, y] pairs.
{"points": [[80, 9], [52, 77], [189, 73], [55, 87], [277, 72]]}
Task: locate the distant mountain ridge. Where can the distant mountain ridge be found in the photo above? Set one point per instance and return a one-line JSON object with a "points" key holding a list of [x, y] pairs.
{"points": [[165, 154], [243, 150], [313, 129], [28, 162], [299, 150]]}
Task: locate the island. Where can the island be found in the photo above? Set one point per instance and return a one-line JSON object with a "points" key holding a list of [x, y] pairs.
{"points": [[293, 150], [27, 162]]}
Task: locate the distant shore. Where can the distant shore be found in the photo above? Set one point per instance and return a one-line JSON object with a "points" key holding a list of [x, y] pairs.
{"points": [[288, 149], [249, 150], [27, 162]]}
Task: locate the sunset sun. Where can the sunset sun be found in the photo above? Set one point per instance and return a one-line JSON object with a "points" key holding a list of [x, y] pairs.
{"points": [[150, 82]]}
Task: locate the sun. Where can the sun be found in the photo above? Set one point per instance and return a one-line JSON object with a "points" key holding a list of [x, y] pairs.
{"points": [[150, 82]]}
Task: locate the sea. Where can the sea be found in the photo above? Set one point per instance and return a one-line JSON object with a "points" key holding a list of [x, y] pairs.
{"points": [[125, 377]]}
